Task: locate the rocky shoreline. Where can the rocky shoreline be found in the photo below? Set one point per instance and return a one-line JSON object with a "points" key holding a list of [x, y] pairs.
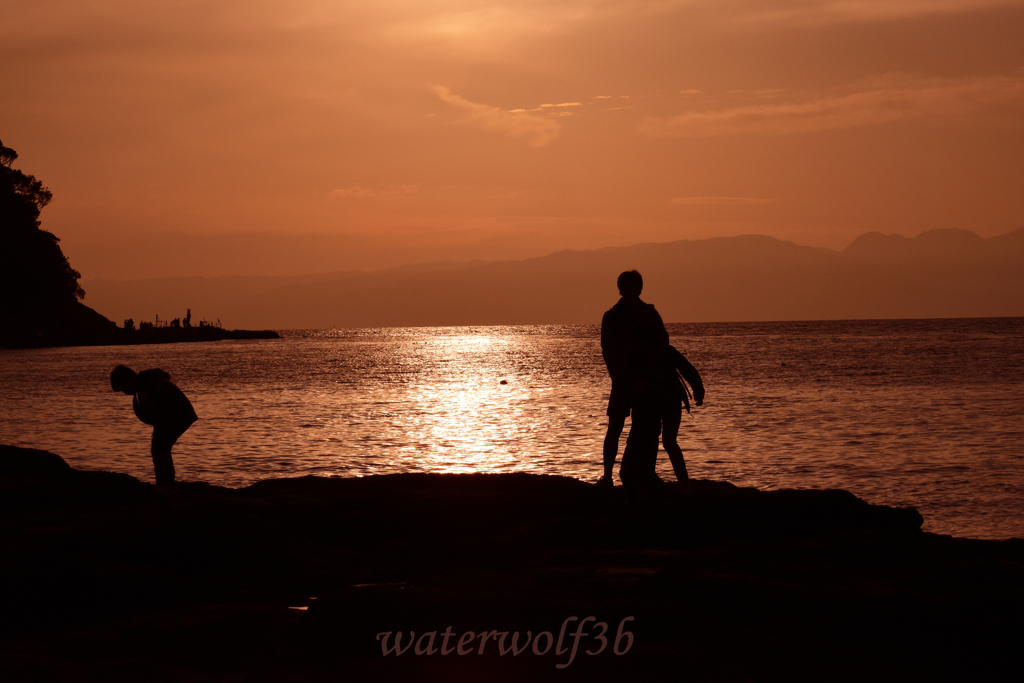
{"points": [[106, 578]]}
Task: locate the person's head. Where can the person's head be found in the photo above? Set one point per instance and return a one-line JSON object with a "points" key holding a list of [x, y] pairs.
{"points": [[122, 378], [630, 283]]}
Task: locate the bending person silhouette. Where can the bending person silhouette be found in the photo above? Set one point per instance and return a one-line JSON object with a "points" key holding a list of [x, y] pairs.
{"points": [[157, 402], [634, 343]]}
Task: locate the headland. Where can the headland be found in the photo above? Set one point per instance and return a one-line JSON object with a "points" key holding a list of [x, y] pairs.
{"points": [[76, 324]]}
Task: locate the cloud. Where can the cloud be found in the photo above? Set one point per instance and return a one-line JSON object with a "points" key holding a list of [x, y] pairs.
{"points": [[690, 92], [889, 99], [360, 192], [840, 11], [720, 201], [537, 130], [563, 104]]}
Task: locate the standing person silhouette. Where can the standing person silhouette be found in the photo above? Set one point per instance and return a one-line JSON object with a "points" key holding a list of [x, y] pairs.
{"points": [[634, 343], [157, 402], [677, 369], [647, 374]]}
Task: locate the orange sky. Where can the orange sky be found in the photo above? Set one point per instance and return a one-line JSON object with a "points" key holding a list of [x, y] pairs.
{"points": [[191, 136]]}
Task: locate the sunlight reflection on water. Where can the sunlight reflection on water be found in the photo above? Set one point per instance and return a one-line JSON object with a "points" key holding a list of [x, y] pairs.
{"points": [[923, 413]]}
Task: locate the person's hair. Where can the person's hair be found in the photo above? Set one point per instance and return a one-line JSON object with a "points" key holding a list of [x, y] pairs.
{"points": [[630, 283], [120, 376]]}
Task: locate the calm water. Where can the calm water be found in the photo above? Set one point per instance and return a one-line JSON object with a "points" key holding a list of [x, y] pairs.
{"points": [[922, 413]]}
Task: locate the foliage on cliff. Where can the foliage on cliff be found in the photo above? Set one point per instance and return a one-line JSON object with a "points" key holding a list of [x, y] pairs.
{"points": [[39, 291], [35, 276]]}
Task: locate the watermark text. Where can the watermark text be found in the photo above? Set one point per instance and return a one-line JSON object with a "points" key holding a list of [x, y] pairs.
{"points": [[568, 644]]}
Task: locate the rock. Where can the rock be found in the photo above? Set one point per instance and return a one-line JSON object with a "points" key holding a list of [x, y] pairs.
{"points": [[29, 462], [104, 577]]}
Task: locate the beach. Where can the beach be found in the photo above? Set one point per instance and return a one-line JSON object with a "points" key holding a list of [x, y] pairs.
{"points": [[109, 578]]}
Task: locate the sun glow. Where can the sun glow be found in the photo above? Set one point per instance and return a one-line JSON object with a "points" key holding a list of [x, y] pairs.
{"points": [[460, 412]]}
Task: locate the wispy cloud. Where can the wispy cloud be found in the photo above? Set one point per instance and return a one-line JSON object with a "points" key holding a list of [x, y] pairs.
{"points": [[537, 130], [690, 92], [563, 104], [836, 11], [888, 99], [361, 192], [720, 201]]}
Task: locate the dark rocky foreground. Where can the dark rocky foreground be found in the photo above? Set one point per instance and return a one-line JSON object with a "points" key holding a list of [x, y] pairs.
{"points": [[106, 578]]}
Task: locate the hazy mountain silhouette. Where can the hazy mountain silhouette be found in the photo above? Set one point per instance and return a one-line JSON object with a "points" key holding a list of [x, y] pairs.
{"points": [[936, 247], [940, 273]]}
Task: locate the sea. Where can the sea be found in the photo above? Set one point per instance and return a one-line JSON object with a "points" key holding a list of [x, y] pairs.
{"points": [[921, 413]]}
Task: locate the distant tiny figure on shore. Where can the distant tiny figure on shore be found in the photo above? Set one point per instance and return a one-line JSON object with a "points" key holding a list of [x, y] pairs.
{"points": [[157, 402], [645, 372]]}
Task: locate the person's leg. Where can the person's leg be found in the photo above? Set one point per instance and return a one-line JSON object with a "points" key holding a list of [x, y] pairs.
{"points": [[641, 452], [164, 436], [616, 423], [163, 464], [670, 416]]}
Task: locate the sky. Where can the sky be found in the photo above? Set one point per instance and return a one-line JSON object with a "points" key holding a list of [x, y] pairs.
{"points": [[216, 137]]}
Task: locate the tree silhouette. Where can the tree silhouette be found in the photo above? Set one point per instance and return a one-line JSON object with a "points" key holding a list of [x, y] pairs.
{"points": [[35, 276]]}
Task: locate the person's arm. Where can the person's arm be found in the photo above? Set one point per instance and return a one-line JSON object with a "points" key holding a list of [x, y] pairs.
{"points": [[142, 411], [663, 338], [691, 376]]}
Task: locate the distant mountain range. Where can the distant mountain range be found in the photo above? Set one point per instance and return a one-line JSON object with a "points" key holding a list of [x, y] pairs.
{"points": [[938, 274]]}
